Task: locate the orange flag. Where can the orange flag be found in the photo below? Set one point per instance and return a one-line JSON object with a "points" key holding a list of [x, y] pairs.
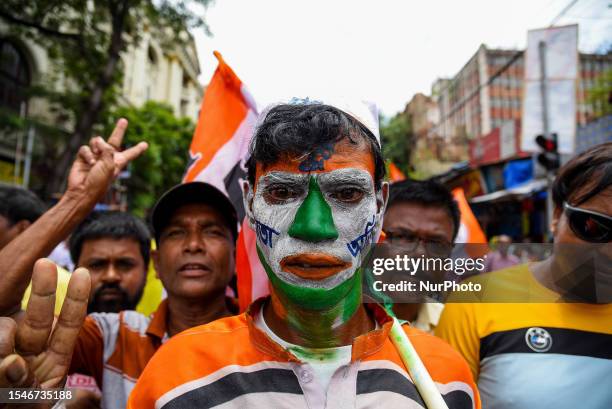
{"points": [[217, 154], [395, 174], [469, 229]]}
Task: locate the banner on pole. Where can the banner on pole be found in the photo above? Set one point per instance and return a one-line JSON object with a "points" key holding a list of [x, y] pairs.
{"points": [[561, 63]]}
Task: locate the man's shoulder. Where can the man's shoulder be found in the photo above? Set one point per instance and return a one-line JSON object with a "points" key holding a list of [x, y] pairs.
{"points": [[111, 323], [444, 363], [224, 333], [430, 345]]}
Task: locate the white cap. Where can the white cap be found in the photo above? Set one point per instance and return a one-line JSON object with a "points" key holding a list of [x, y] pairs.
{"points": [[365, 112]]}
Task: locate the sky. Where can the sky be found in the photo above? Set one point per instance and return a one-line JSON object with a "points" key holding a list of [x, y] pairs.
{"points": [[383, 51]]}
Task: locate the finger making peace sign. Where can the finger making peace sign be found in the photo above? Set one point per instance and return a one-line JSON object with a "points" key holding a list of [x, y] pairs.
{"points": [[98, 163], [34, 352]]}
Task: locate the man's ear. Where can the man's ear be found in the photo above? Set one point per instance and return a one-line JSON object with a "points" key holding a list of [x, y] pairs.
{"points": [[247, 201], [557, 213], [155, 259], [21, 226], [382, 198]]}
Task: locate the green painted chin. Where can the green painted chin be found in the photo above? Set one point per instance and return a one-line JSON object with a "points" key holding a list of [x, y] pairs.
{"points": [[347, 294]]}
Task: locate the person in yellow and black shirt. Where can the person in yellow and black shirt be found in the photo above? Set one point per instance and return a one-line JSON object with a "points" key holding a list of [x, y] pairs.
{"points": [[554, 348]]}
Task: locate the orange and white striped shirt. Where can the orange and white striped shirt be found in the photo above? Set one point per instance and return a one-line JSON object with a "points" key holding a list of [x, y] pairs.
{"points": [[114, 348], [231, 363]]}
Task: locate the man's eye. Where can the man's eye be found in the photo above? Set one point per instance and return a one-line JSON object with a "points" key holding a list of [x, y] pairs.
{"points": [[96, 265], [125, 264], [400, 237], [348, 195], [215, 232], [281, 193], [173, 233]]}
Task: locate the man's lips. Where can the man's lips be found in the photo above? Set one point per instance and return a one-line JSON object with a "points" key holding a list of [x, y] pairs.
{"points": [[313, 266], [110, 294], [193, 269]]}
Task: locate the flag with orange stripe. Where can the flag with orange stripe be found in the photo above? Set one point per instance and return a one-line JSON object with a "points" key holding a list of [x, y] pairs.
{"points": [[395, 174], [217, 155], [222, 135], [470, 231]]}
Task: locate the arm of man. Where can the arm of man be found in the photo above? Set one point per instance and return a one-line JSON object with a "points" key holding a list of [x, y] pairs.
{"points": [[91, 174]]}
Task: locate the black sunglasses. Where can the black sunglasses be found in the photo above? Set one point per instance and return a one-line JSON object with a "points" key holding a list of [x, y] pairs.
{"points": [[588, 225]]}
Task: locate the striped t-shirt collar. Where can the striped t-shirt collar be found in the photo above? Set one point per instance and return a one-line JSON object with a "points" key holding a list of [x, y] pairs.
{"points": [[363, 345]]}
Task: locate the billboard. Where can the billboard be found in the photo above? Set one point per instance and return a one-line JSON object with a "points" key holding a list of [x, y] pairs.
{"points": [[561, 72]]}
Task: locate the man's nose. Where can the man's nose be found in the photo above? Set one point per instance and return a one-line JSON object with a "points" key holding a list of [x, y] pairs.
{"points": [[314, 221], [111, 275], [194, 242]]}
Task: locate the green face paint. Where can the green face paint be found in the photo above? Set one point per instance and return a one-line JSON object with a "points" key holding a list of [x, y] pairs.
{"points": [[314, 221], [336, 304]]}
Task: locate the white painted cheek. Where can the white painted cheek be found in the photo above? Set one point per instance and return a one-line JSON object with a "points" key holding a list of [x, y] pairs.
{"points": [[351, 223], [279, 218]]}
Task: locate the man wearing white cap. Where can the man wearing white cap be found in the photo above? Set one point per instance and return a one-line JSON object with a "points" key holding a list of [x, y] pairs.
{"points": [[315, 196]]}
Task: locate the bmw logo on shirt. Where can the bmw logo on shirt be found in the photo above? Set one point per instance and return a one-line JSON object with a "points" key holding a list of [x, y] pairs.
{"points": [[538, 339]]}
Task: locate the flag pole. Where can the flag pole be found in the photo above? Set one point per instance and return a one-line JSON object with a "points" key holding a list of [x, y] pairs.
{"points": [[421, 378]]}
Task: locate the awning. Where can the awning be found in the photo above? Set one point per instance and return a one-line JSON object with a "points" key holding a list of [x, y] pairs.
{"points": [[535, 185]]}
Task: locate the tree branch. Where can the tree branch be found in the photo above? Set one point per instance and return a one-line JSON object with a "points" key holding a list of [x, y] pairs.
{"points": [[44, 30]]}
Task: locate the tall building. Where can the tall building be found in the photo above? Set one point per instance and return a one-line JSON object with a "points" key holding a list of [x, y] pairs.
{"points": [[468, 110]]}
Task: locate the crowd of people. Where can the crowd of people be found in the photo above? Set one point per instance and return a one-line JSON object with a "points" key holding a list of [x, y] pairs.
{"points": [[316, 185]]}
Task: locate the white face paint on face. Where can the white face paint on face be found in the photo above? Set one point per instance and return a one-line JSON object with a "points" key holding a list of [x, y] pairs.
{"points": [[314, 229]]}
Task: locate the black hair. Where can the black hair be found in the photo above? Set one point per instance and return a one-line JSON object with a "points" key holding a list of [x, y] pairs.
{"points": [[584, 176], [114, 225], [299, 129], [426, 192], [17, 204]]}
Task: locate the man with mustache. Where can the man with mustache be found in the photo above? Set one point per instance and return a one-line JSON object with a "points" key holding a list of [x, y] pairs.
{"points": [[195, 228], [115, 248], [315, 197], [422, 218]]}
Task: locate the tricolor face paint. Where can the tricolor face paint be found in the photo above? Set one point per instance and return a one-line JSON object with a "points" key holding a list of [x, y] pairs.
{"points": [[315, 227]]}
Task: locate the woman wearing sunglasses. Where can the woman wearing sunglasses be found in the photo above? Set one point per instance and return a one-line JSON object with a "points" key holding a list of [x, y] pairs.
{"points": [[553, 350]]}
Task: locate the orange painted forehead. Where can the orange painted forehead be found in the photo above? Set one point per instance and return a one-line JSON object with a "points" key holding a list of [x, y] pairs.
{"points": [[343, 154]]}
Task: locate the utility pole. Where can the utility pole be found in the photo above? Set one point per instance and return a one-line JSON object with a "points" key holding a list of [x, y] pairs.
{"points": [[546, 131]]}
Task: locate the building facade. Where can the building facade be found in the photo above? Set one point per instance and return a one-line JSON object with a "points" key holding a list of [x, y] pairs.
{"points": [[151, 72], [166, 75], [469, 108]]}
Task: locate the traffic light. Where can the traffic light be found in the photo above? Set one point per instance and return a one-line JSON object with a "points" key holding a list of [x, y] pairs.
{"points": [[549, 156]]}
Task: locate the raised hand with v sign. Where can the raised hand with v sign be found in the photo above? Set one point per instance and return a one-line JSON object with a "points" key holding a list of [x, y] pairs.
{"points": [[34, 353], [98, 163]]}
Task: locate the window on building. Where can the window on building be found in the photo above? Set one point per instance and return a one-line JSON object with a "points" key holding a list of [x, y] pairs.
{"points": [[185, 96], [14, 76], [152, 74]]}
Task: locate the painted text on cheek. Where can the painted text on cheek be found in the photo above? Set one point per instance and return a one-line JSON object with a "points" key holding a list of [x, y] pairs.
{"points": [[358, 244], [265, 233]]}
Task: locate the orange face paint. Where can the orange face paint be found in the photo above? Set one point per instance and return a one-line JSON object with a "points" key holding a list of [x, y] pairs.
{"points": [[345, 155], [313, 266]]}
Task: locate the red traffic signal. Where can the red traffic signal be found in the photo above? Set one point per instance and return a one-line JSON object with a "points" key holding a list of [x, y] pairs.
{"points": [[549, 157], [547, 144]]}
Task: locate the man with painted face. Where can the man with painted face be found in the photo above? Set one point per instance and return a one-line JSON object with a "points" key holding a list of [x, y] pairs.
{"points": [[315, 196]]}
